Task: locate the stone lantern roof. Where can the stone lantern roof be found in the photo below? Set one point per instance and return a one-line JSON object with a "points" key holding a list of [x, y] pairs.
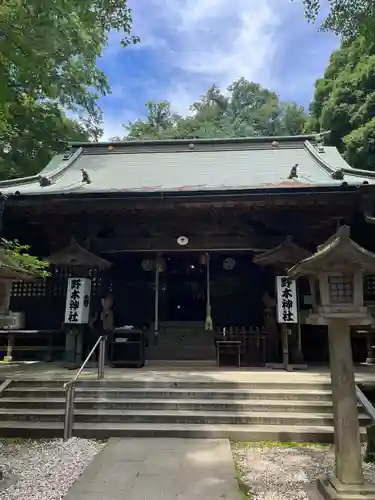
{"points": [[286, 254], [338, 253], [76, 256]]}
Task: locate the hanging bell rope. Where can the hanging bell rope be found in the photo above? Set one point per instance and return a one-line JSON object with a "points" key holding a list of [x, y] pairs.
{"points": [[208, 323]]}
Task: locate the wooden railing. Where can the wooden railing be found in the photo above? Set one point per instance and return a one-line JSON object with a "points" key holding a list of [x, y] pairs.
{"points": [[258, 346]]}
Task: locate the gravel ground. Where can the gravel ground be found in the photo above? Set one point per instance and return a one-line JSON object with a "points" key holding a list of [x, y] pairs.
{"points": [[45, 469], [273, 473]]}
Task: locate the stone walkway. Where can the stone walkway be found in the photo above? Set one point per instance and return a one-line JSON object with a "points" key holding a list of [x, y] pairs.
{"points": [[176, 371], [160, 469]]}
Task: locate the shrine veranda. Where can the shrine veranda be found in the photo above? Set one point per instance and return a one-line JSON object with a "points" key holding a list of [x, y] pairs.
{"points": [[144, 220]]}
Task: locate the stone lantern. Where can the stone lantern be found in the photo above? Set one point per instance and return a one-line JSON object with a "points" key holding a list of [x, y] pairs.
{"points": [[337, 270], [10, 272], [281, 258], [80, 263]]}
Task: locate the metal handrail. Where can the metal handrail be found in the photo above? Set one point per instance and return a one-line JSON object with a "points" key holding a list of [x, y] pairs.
{"points": [[70, 385], [366, 403]]}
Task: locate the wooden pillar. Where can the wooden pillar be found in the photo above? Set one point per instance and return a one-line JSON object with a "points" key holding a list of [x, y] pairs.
{"points": [[370, 360], [156, 298], [208, 321], [5, 293], [285, 346]]}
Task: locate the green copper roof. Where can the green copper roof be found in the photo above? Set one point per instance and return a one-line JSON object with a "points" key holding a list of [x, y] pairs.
{"points": [[191, 165]]}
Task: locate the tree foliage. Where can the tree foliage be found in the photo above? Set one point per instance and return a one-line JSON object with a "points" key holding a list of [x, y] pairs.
{"points": [[43, 130], [344, 102], [19, 256], [48, 63], [346, 18], [247, 109]]}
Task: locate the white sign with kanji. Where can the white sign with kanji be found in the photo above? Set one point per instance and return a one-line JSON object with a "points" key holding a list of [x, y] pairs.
{"points": [[77, 307], [287, 311]]}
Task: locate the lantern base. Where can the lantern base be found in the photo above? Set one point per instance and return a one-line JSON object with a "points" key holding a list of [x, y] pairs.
{"points": [[331, 488]]}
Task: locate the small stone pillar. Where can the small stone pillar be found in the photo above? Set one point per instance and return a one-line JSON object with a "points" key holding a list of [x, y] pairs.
{"points": [[339, 266], [345, 412], [74, 347]]}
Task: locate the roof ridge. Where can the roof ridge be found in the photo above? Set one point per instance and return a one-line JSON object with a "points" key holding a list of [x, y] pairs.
{"points": [[359, 172], [53, 176], [321, 162], [345, 170], [218, 140]]}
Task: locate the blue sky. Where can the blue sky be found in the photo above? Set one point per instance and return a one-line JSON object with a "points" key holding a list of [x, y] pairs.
{"points": [[187, 45]]}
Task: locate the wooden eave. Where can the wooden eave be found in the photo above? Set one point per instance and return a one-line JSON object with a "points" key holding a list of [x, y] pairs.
{"points": [[255, 198]]}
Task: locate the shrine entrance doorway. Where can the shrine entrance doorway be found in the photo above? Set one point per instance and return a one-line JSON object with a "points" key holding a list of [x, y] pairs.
{"points": [[183, 288]]}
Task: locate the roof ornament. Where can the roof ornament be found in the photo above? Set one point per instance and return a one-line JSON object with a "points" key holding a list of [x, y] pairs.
{"points": [[85, 176], [110, 148], [191, 145], [67, 155], [319, 139], [338, 175], [275, 144], [44, 181], [294, 172]]}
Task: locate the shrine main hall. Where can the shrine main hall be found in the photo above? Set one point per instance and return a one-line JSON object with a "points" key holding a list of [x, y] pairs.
{"points": [[188, 237]]}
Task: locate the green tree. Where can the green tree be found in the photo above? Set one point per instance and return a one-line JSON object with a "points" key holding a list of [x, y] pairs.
{"points": [[346, 18], [344, 102], [17, 256], [159, 122], [43, 130], [48, 63], [247, 109]]}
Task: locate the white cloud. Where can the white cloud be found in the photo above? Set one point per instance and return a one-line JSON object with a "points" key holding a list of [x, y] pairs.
{"points": [[181, 98], [113, 124], [190, 45], [210, 41]]}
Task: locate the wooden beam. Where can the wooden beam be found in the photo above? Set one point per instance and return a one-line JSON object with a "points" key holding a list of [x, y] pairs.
{"points": [[196, 243]]}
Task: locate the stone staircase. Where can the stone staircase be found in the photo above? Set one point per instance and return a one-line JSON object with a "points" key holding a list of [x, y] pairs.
{"points": [[241, 411], [182, 341]]}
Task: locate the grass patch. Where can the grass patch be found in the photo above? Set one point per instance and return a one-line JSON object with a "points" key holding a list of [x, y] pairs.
{"points": [[277, 444]]}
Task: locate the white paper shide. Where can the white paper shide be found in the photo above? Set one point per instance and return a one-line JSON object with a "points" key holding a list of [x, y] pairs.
{"points": [[287, 311], [77, 307]]}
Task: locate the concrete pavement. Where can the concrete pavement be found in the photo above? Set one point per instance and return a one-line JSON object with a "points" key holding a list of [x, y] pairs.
{"points": [[177, 371], [160, 469]]}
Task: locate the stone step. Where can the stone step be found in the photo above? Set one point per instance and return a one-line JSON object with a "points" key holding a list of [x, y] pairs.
{"points": [[176, 417], [185, 342], [104, 430], [182, 324], [191, 383], [91, 391], [180, 355], [171, 404]]}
